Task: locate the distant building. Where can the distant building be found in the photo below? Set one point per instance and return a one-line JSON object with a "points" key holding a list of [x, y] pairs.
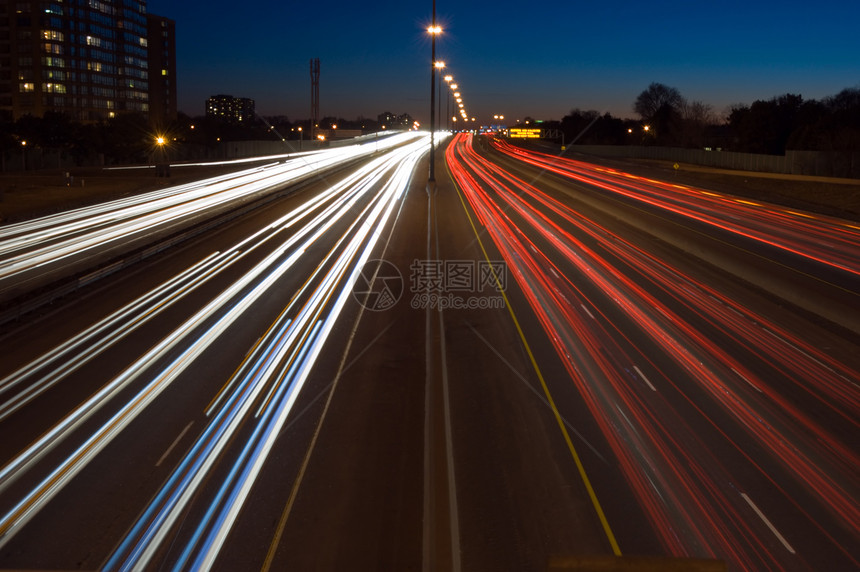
{"points": [[237, 110], [89, 60], [161, 37], [86, 65], [389, 120]]}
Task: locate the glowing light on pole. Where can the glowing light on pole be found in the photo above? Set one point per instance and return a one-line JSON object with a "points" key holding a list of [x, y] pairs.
{"points": [[448, 79], [434, 31], [439, 66]]}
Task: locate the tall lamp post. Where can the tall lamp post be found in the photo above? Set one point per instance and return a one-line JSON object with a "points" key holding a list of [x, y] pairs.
{"points": [[439, 66], [162, 167], [434, 31], [456, 95], [448, 80]]}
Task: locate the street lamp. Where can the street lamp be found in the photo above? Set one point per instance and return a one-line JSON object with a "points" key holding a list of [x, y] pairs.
{"points": [[434, 31], [301, 138], [162, 167], [440, 66], [448, 79], [24, 155]]}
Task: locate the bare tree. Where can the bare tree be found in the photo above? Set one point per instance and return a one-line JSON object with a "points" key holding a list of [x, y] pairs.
{"points": [[698, 112], [696, 117], [656, 98]]}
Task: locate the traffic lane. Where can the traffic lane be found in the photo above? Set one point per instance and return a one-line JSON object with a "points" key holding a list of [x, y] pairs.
{"points": [[328, 293], [219, 373], [754, 315], [580, 279], [728, 312], [109, 493], [515, 500], [795, 278], [703, 436], [580, 420], [521, 498], [44, 250], [221, 238], [359, 501], [62, 256], [73, 390], [47, 330], [827, 240]]}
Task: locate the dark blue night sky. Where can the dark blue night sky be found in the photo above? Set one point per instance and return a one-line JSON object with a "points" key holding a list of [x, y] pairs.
{"points": [[539, 58]]}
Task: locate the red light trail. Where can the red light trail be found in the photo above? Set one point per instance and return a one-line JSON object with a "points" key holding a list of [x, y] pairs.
{"points": [[828, 240], [596, 295]]}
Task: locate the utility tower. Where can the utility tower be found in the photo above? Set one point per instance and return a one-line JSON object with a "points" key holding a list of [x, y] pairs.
{"points": [[315, 95]]}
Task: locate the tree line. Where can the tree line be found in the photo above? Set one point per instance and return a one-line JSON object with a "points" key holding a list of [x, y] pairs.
{"points": [[771, 126], [666, 118]]}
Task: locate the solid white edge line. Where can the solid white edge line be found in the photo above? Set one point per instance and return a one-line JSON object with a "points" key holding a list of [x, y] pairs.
{"points": [[456, 563]]}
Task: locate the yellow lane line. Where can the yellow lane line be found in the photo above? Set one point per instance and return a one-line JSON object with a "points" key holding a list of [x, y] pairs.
{"points": [[592, 495]]}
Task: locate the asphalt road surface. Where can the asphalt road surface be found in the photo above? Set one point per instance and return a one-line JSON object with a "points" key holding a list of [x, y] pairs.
{"points": [[619, 367]]}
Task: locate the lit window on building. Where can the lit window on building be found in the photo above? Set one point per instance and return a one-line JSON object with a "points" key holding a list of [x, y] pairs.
{"points": [[54, 35]]}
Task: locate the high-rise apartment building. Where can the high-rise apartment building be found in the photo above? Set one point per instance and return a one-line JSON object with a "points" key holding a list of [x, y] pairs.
{"points": [[88, 59], [231, 109], [161, 40]]}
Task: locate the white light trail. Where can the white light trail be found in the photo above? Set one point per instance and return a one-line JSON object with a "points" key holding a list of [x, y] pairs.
{"points": [[52, 240], [297, 347], [288, 351]]}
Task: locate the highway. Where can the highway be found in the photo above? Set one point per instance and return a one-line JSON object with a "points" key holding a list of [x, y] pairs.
{"points": [[35, 252], [733, 422], [621, 366]]}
